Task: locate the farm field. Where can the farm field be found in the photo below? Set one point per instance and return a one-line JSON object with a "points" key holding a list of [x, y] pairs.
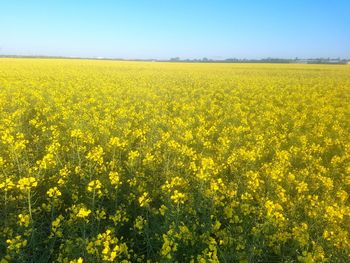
{"points": [[107, 161]]}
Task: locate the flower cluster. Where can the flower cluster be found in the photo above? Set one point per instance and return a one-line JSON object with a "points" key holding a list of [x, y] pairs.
{"points": [[106, 161]]}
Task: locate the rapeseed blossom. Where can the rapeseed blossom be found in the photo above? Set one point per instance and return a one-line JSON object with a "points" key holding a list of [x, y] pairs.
{"points": [[106, 161], [27, 183]]}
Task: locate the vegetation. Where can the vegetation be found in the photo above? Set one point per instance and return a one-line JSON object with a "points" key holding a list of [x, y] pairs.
{"points": [[104, 161]]}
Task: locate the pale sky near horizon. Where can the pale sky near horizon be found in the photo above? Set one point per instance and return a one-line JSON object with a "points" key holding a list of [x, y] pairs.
{"points": [[187, 29]]}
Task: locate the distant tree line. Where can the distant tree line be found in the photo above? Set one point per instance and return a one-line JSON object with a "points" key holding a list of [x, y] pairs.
{"points": [[267, 60], [207, 60]]}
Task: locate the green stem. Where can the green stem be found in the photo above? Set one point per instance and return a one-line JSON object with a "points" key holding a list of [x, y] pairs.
{"points": [[84, 237], [30, 205], [93, 201], [5, 209], [52, 210]]}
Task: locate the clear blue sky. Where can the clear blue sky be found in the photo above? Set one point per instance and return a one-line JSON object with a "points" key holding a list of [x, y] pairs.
{"points": [[168, 28]]}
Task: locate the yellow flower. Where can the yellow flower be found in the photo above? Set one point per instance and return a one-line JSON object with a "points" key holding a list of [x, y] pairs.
{"points": [[94, 185], [7, 184], [55, 226], [83, 212], [24, 220], [139, 223], [79, 260], [149, 158], [144, 199], [54, 192], [114, 178], [178, 197], [96, 154], [302, 187], [27, 183], [133, 155]]}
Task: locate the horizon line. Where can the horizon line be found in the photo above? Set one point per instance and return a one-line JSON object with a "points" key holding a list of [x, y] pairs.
{"points": [[179, 59]]}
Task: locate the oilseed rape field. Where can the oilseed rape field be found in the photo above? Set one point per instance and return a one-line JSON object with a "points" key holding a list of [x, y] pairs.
{"points": [[107, 161]]}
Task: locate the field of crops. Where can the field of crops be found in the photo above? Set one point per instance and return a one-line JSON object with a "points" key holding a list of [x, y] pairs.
{"points": [[104, 161]]}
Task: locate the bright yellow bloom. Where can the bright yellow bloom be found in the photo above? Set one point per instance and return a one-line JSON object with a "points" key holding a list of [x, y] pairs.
{"points": [[79, 260], [178, 197], [54, 192], [94, 185], [114, 179], [24, 220], [96, 154], [27, 183], [83, 212], [144, 199], [7, 184]]}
